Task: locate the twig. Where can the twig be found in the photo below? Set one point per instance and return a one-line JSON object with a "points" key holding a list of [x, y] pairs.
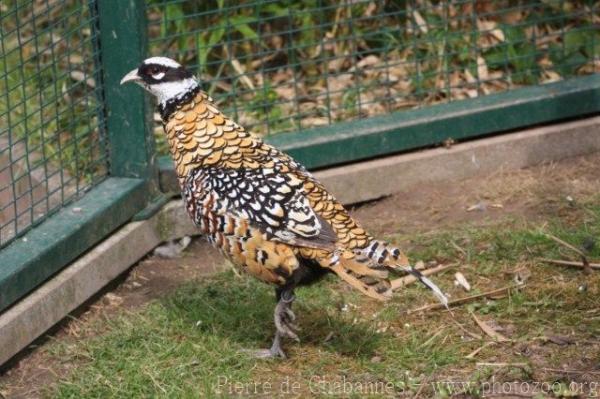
{"points": [[465, 299], [424, 344], [156, 383], [469, 333], [565, 244], [486, 364], [239, 69], [406, 280], [476, 351], [458, 248], [561, 262], [488, 330], [571, 371], [242, 73]]}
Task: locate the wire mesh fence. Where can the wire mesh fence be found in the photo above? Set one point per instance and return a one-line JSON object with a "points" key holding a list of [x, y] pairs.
{"points": [[51, 136], [288, 65], [276, 66]]}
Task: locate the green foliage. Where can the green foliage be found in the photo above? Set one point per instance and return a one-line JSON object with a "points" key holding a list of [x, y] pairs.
{"points": [[579, 46], [265, 106]]}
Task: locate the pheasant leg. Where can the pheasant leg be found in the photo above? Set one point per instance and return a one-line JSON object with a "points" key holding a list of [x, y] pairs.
{"points": [[284, 319]]}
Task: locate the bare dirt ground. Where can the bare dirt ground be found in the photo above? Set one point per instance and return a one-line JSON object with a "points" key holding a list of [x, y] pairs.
{"points": [[533, 194]]}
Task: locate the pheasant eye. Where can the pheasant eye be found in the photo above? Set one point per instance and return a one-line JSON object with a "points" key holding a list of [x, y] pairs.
{"points": [[156, 72]]}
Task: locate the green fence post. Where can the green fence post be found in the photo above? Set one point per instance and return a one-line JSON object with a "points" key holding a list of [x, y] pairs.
{"points": [[123, 45]]}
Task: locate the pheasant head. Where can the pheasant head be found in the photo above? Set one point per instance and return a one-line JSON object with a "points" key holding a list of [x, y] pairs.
{"points": [[165, 78]]}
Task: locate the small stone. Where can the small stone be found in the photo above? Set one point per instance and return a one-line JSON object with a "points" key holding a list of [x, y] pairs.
{"points": [[589, 243], [479, 207]]}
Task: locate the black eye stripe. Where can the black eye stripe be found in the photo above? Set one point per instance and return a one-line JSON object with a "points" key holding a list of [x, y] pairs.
{"points": [[151, 73], [153, 69]]}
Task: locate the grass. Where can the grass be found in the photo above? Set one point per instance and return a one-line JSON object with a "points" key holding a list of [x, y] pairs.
{"points": [[188, 343], [170, 348]]}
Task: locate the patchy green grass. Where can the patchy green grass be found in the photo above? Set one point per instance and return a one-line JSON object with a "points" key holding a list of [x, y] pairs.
{"points": [[189, 343]]}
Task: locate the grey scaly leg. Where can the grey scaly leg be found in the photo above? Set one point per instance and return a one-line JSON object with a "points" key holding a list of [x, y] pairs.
{"points": [[284, 323]]}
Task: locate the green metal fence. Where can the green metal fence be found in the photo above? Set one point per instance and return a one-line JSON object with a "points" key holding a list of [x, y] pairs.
{"points": [[289, 65], [329, 81], [75, 156], [52, 138]]}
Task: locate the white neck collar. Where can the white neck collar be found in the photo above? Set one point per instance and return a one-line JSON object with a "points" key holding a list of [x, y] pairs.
{"points": [[167, 91]]}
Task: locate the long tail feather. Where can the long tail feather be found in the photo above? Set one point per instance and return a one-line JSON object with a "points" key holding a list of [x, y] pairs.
{"points": [[427, 282], [382, 253]]}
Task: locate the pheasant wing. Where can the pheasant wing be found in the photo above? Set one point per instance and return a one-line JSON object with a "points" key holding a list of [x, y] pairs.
{"points": [[272, 201]]}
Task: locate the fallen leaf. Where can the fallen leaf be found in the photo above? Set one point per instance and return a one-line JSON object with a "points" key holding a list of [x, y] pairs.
{"points": [[469, 77], [462, 281], [173, 248], [75, 59], [286, 92], [522, 275], [472, 93], [370, 60], [370, 9], [315, 121], [482, 69], [80, 77], [498, 34], [113, 299], [449, 142], [420, 21]]}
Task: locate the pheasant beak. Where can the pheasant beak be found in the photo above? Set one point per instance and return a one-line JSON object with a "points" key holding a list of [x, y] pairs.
{"points": [[131, 77]]}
